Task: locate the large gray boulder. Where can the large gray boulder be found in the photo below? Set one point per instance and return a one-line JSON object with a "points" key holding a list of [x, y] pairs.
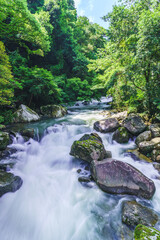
{"points": [[4, 140], [121, 135], [134, 213], [155, 129], [89, 148], [9, 182], [145, 136], [106, 125], [148, 146], [55, 111], [118, 177], [134, 124], [24, 114]]}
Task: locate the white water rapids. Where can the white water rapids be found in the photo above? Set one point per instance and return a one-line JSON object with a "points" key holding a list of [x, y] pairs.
{"points": [[52, 204]]}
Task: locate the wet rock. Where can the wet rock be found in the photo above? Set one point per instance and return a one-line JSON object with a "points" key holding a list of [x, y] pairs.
{"points": [[4, 140], [134, 213], [79, 170], [148, 146], [9, 182], [134, 124], [145, 136], [119, 116], [146, 233], [84, 179], [55, 111], [155, 155], [88, 148], [137, 156], [6, 166], [121, 135], [157, 167], [29, 132], [118, 177], [106, 125], [25, 114], [85, 103], [155, 129]]}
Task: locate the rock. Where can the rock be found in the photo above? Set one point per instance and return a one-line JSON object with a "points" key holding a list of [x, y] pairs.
{"points": [[155, 129], [118, 177], [9, 182], [157, 167], [84, 179], [85, 103], [88, 148], [121, 135], [55, 111], [119, 116], [25, 114], [4, 140], [149, 146], [134, 124], [145, 136], [2, 127], [134, 213], [6, 166], [155, 155], [146, 233], [106, 125], [158, 158], [29, 132], [137, 156]]}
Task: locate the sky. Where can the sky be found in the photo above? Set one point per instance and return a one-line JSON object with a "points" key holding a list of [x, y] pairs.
{"points": [[95, 9]]}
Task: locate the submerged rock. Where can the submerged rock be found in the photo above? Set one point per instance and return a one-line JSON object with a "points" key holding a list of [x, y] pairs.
{"points": [[134, 124], [9, 182], [121, 135], [134, 213], [106, 125], [29, 132], [89, 148], [25, 114], [145, 136], [55, 111], [146, 233], [118, 177], [4, 140]]}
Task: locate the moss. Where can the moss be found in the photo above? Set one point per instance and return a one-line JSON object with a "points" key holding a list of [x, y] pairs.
{"points": [[146, 233], [4, 140]]}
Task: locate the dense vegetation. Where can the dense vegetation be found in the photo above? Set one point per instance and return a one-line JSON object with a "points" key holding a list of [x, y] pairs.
{"points": [[50, 55]]}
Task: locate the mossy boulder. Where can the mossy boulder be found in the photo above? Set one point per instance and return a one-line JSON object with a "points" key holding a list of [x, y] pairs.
{"points": [[24, 114], [28, 132], [106, 125], [146, 233], [89, 148], [148, 146], [118, 177], [121, 135], [145, 136], [55, 111], [4, 140], [134, 213], [9, 182], [134, 124]]}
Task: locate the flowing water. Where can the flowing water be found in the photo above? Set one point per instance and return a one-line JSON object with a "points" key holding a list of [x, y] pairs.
{"points": [[52, 204]]}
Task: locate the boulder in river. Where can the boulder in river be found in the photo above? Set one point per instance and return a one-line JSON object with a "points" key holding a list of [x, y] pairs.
{"points": [[9, 182], [55, 111], [118, 177], [149, 146], [155, 129], [121, 135], [134, 124], [145, 136], [134, 213], [28, 132], [146, 233], [106, 125], [89, 148], [4, 140], [25, 114]]}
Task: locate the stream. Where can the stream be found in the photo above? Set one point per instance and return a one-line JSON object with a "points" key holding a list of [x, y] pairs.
{"points": [[52, 204]]}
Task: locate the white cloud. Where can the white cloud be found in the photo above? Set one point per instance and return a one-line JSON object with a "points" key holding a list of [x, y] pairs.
{"points": [[91, 19], [77, 3], [91, 5]]}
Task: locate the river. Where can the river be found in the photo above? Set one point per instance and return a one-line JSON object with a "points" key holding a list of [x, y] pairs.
{"points": [[52, 204]]}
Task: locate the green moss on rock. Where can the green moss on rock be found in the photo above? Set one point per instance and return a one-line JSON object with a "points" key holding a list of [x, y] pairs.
{"points": [[146, 233], [4, 140]]}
